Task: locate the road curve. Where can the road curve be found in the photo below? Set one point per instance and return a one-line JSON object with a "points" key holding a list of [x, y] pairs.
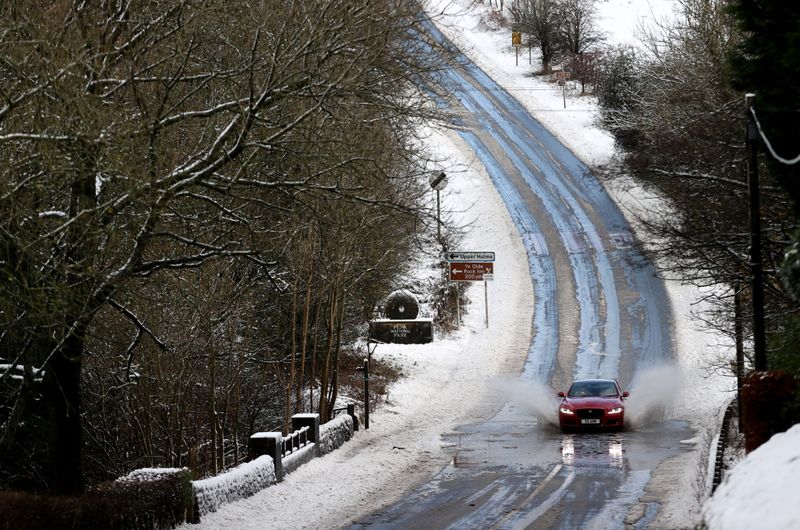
{"points": [[599, 311]]}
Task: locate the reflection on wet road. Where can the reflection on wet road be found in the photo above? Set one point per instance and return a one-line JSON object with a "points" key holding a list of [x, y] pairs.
{"points": [[512, 473]]}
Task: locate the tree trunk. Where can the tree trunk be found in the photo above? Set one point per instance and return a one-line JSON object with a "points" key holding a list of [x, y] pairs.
{"points": [[62, 384], [331, 325], [293, 346], [335, 377], [212, 405], [304, 340], [314, 350]]}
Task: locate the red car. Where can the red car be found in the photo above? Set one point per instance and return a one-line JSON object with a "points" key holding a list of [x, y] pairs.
{"points": [[591, 404]]}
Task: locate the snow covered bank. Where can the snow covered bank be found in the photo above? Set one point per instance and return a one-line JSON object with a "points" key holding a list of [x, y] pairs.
{"points": [[238, 483], [335, 433], [760, 492]]}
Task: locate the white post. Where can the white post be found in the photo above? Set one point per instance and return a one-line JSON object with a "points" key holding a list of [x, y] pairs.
{"points": [[458, 304], [486, 300]]}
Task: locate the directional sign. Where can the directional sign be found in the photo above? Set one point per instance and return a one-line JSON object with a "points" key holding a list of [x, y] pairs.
{"points": [[562, 74], [469, 256], [476, 271]]}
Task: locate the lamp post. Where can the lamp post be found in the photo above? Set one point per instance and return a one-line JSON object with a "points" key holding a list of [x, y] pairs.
{"points": [[438, 183], [365, 368]]}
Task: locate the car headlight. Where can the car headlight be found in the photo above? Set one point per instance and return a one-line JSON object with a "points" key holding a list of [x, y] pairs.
{"points": [[565, 410], [615, 410]]}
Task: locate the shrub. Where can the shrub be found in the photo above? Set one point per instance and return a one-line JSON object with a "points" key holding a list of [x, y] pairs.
{"points": [[31, 511]]}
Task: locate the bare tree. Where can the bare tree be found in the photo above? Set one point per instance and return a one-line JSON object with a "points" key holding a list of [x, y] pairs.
{"points": [[540, 20], [139, 140], [580, 38], [577, 31], [682, 128]]}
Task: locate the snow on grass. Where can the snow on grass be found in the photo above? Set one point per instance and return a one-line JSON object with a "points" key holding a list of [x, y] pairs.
{"points": [[624, 20]]}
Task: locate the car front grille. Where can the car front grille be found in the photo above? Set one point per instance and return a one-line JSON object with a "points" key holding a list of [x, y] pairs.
{"points": [[589, 413]]}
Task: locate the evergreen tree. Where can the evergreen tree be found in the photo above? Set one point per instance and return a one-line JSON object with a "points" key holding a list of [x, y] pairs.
{"points": [[767, 63]]}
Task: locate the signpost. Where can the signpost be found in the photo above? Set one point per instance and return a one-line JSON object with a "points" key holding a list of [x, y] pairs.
{"points": [[472, 267], [516, 38], [562, 77]]}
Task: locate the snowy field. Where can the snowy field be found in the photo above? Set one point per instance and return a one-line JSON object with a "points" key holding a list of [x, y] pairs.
{"points": [[453, 381]]}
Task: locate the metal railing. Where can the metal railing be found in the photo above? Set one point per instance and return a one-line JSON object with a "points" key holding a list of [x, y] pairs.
{"points": [[349, 409], [294, 441], [722, 444]]}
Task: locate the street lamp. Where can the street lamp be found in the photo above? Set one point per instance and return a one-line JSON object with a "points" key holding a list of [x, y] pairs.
{"points": [[438, 183]]}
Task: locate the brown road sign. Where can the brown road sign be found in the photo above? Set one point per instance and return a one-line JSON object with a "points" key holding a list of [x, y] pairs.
{"points": [[562, 75], [471, 271]]}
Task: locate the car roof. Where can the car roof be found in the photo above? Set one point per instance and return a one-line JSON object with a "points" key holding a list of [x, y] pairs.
{"points": [[594, 380]]}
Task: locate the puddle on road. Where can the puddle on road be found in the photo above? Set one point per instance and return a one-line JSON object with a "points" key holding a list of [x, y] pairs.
{"points": [[524, 444]]}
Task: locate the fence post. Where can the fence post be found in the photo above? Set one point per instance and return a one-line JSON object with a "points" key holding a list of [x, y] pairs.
{"points": [[310, 420], [268, 443], [351, 411]]}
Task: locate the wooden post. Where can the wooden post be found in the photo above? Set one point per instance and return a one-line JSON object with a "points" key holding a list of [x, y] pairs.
{"points": [[351, 411], [310, 420]]}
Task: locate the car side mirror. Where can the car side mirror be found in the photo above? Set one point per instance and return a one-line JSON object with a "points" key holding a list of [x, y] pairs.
{"points": [[626, 394], [561, 394]]}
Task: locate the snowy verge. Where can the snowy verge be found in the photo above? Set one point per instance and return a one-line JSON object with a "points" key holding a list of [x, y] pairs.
{"points": [[761, 491], [333, 434], [238, 483]]}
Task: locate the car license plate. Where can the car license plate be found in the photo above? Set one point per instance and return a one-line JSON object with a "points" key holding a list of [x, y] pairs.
{"points": [[591, 422]]}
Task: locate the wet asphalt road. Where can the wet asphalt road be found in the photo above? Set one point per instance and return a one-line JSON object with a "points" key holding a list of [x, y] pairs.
{"points": [[510, 473], [599, 311]]}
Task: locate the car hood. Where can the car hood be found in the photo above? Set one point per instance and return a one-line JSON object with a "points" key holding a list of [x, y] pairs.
{"points": [[593, 402]]}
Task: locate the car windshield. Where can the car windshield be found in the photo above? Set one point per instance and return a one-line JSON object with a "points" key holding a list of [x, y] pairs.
{"points": [[593, 389]]}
